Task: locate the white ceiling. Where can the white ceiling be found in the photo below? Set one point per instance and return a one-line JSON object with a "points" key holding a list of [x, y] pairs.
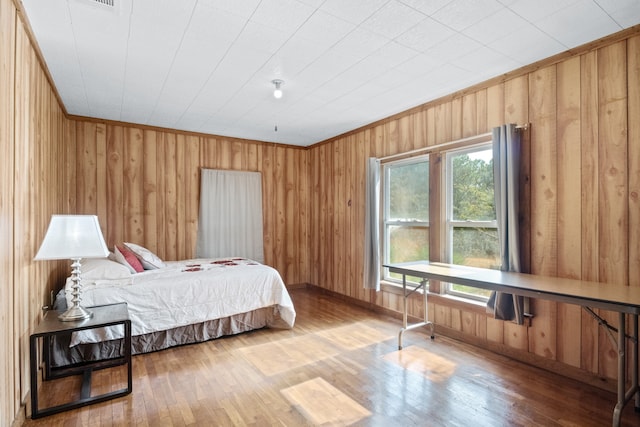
{"points": [[207, 65]]}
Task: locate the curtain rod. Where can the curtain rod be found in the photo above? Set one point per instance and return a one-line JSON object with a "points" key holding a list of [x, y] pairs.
{"points": [[448, 143]]}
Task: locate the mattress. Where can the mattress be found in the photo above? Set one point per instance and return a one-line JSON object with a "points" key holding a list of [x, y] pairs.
{"points": [[181, 293]]}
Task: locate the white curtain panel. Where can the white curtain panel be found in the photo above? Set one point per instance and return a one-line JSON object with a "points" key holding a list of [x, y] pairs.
{"points": [[230, 223], [371, 277]]}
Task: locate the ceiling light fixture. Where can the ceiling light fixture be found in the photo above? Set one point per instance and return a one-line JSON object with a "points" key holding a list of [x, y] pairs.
{"points": [[277, 92]]}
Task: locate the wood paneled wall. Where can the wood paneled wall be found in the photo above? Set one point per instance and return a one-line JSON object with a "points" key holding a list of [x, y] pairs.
{"points": [[35, 158], [9, 399], [582, 161], [144, 185]]}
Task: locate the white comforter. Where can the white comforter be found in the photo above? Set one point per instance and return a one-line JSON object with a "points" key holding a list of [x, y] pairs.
{"points": [[187, 292]]}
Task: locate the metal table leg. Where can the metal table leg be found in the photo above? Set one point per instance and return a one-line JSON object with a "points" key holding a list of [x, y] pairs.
{"points": [[622, 363], [634, 368], [424, 284], [625, 395]]}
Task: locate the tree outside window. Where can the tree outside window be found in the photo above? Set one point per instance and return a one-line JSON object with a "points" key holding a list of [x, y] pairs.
{"points": [[471, 216], [406, 212]]}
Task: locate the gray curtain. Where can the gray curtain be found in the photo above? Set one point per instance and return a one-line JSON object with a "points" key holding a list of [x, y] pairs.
{"points": [[506, 176], [371, 277]]}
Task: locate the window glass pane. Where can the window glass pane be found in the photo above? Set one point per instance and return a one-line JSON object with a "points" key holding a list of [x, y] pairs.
{"points": [[408, 243], [409, 192], [475, 247], [470, 200], [472, 177]]}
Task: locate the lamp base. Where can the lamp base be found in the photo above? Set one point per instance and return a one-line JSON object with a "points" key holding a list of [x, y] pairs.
{"points": [[75, 313]]}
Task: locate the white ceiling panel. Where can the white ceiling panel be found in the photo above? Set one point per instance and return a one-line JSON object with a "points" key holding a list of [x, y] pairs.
{"points": [[624, 12], [493, 63], [452, 48], [392, 19], [535, 11], [326, 27], [461, 14], [417, 66], [527, 45], [255, 36], [243, 9], [425, 35], [284, 15], [354, 11], [594, 21], [392, 54], [359, 44], [207, 65], [152, 49], [496, 26], [293, 57], [95, 36]]}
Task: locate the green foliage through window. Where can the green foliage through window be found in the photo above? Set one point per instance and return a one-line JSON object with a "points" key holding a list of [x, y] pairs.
{"points": [[473, 189], [409, 192], [406, 220], [473, 234]]}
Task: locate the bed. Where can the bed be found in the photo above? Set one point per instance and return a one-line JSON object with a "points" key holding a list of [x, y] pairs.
{"points": [[173, 303]]}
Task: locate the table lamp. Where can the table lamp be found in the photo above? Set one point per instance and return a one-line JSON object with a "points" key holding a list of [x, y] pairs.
{"points": [[73, 237]]}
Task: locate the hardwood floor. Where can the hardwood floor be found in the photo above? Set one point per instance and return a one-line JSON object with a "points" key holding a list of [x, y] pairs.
{"points": [[338, 366]]}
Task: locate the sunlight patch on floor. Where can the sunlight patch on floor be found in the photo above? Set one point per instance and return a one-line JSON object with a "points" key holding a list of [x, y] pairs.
{"points": [[323, 404], [281, 356], [352, 337], [420, 360]]}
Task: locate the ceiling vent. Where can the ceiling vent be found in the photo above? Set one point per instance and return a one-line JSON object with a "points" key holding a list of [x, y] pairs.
{"points": [[106, 5]]}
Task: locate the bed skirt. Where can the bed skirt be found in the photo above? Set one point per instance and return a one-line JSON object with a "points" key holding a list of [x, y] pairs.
{"points": [[63, 355]]}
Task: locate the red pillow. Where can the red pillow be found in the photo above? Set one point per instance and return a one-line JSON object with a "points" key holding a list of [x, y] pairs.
{"points": [[130, 258]]}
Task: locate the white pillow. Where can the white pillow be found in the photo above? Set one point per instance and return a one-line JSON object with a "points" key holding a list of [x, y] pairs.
{"points": [[103, 268], [149, 260]]}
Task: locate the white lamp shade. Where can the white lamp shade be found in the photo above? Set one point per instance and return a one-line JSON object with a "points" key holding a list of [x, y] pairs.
{"points": [[73, 236]]}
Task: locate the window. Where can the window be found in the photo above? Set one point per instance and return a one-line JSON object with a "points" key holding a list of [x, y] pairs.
{"points": [[406, 212], [471, 227], [467, 229]]}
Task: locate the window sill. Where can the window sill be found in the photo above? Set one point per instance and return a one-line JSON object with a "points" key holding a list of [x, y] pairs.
{"points": [[448, 300]]}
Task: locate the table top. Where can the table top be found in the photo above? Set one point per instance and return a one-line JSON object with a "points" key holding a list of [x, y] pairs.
{"points": [[103, 315], [616, 297]]}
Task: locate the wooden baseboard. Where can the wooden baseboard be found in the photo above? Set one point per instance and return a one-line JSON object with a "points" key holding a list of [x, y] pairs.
{"points": [[531, 359], [20, 417], [350, 300], [297, 286]]}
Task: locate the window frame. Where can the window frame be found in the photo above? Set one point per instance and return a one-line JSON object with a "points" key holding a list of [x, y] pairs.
{"points": [[449, 224], [386, 223], [440, 204]]}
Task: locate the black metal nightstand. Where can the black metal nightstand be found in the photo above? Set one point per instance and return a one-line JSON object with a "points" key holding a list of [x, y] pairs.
{"points": [[105, 315]]}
